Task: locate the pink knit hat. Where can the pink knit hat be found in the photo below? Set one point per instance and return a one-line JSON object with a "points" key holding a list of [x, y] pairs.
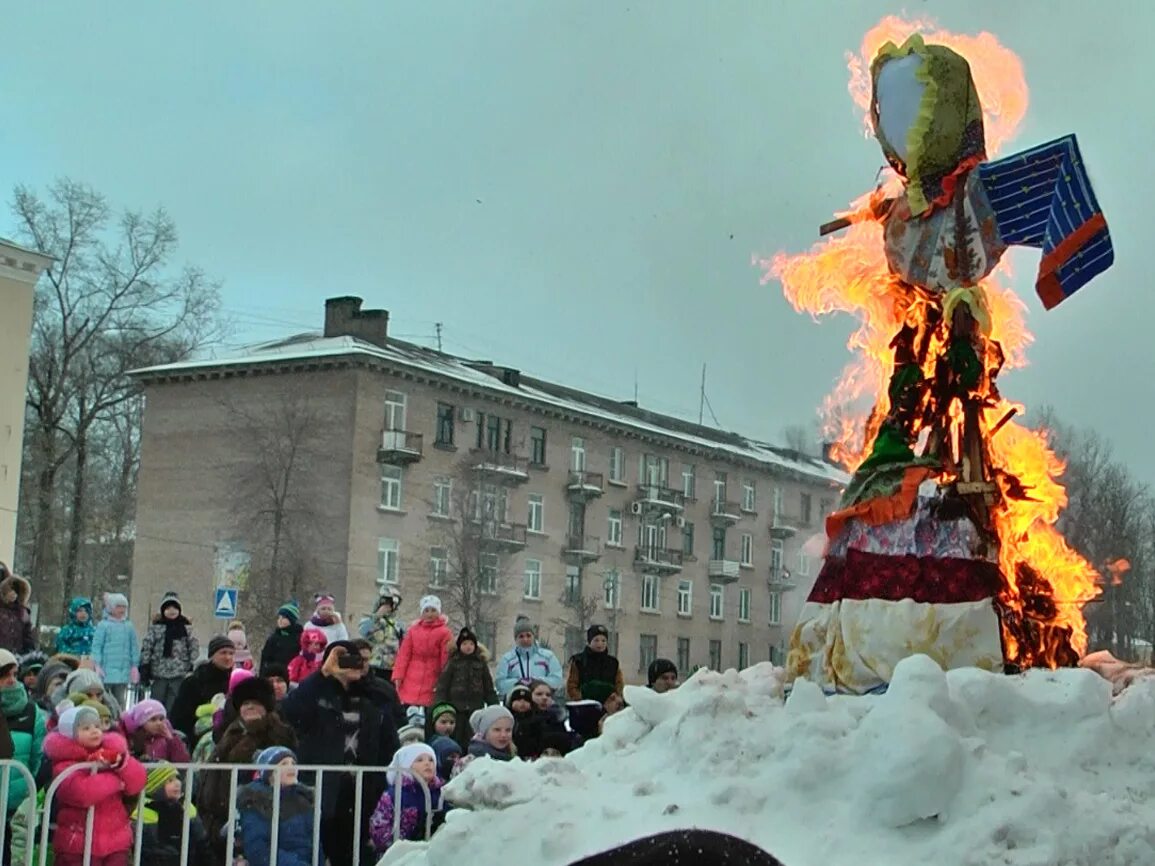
{"points": [[239, 675], [140, 713]]}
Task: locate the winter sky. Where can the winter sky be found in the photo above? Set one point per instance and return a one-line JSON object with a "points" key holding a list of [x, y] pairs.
{"points": [[573, 188]]}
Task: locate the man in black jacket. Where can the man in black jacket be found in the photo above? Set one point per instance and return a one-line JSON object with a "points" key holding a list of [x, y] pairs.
{"points": [[207, 679], [340, 720]]}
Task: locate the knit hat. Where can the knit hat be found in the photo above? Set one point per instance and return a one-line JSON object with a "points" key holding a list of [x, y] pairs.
{"points": [[218, 643], [159, 775], [429, 601], [482, 720], [274, 671], [83, 680], [524, 624], [236, 634], [323, 598], [31, 663], [170, 600], [101, 710], [464, 635], [74, 718], [291, 611], [115, 599], [272, 756], [520, 691], [253, 689], [7, 659], [407, 734], [405, 756], [238, 676], [445, 747], [416, 716], [140, 713], [597, 631], [440, 710], [659, 668]]}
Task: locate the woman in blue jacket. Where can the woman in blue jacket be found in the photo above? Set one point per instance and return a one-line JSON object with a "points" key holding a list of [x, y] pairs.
{"points": [[528, 660]]}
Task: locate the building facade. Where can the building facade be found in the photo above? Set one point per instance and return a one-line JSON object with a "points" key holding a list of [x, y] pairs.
{"points": [[430, 473], [19, 270]]}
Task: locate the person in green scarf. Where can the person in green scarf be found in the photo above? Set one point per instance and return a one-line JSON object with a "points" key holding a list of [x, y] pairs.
{"points": [[594, 674], [27, 726]]}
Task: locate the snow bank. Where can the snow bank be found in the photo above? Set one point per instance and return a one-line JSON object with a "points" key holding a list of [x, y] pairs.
{"points": [[957, 769]]}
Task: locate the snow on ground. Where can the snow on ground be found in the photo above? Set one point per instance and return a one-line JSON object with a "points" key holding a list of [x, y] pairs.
{"points": [[956, 769]]}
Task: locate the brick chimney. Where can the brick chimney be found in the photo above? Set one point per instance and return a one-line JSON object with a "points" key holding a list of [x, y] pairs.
{"points": [[345, 318]]}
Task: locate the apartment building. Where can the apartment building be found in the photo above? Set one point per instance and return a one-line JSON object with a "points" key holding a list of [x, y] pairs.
{"points": [[687, 542]]}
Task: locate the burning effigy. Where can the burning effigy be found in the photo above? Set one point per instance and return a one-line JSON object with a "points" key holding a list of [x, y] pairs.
{"points": [[944, 542]]}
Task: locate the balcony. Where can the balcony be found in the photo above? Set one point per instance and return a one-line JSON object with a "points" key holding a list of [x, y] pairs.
{"points": [[780, 579], [399, 447], [783, 527], [723, 570], [724, 513], [499, 467], [508, 535], [658, 560], [582, 548], [657, 497], [585, 485]]}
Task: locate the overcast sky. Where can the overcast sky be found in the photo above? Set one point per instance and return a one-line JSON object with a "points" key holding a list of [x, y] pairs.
{"points": [[573, 188]]}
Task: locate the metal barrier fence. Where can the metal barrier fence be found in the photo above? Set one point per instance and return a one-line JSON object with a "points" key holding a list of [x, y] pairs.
{"points": [[39, 818]]}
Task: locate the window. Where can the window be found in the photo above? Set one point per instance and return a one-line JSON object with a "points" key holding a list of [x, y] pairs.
{"points": [[617, 465], [743, 656], [683, 661], [775, 608], [536, 519], [688, 481], [648, 651], [394, 410], [776, 557], [720, 487], [493, 433], [654, 470], [438, 568], [614, 532], [718, 547], [804, 509], [532, 587], [391, 487], [715, 655], [612, 588], [773, 654], [747, 549], [487, 576], [445, 421], [777, 503], [748, 496], [688, 539], [685, 597], [487, 632], [575, 640], [442, 495], [577, 451], [388, 562], [716, 601], [744, 605], [573, 585], [537, 446], [803, 564], [650, 592]]}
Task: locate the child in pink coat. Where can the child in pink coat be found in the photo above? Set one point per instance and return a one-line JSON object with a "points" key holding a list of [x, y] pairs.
{"points": [[308, 661], [150, 736], [78, 738], [423, 654]]}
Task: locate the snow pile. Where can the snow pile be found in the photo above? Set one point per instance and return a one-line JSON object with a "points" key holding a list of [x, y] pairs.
{"points": [[955, 769]]}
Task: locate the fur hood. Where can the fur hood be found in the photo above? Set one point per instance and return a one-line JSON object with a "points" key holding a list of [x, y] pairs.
{"points": [[23, 588], [481, 653]]}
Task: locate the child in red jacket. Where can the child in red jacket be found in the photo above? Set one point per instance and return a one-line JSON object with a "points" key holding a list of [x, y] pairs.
{"points": [[308, 661], [78, 739]]}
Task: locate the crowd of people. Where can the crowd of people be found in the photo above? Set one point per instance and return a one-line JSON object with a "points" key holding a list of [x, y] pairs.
{"points": [[415, 698]]}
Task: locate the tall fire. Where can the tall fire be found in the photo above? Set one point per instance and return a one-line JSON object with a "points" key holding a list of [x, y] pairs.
{"points": [[945, 541]]}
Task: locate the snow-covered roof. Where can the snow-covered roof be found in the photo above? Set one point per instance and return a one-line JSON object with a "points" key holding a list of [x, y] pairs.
{"points": [[487, 377]]}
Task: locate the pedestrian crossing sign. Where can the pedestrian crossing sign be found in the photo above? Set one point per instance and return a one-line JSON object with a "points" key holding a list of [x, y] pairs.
{"points": [[225, 603]]}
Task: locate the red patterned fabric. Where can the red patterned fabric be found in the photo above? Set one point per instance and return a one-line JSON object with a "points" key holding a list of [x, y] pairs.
{"points": [[892, 578]]}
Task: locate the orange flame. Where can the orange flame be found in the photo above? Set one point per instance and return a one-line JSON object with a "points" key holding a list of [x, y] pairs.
{"points": [[849, 274]]}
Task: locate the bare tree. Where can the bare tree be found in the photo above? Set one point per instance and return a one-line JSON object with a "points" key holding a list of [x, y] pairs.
{"points": [[109, 303], [274, 496], [580, 606], [473, 533]]}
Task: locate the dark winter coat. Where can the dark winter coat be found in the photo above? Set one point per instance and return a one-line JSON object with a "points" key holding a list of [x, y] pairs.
{"points": [[383, 693], [281, 647], [295, 830], [467, 684], [15, 618], [199, 687], [163, 830], [237, 745], [593, 676], [316, 709], [154, 664], [537, 730]]}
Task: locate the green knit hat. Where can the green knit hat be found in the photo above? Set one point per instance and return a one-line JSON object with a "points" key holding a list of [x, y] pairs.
{"points": [[159, 775], [290, 610], [441, 709]]}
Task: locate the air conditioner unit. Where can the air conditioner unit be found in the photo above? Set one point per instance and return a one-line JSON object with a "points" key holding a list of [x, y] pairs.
{"points": [[465, 415], [635, 508], [680, 522]]}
